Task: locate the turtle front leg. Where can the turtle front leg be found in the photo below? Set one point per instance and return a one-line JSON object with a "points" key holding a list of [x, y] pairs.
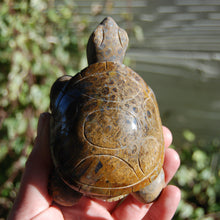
{"points": [[61, 192], [152, 191]]}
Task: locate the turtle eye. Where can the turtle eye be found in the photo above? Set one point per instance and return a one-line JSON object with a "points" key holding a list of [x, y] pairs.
{"points": [[123, 38], [98, 36]]}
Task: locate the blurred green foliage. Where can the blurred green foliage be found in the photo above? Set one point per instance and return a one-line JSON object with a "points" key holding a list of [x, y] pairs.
{"points": [[42, 40], [198, 178]]}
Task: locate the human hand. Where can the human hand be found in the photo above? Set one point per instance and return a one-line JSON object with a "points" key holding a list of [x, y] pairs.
{"points": [[33, 201]]}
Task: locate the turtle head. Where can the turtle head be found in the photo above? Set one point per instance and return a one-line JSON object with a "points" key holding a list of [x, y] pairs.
{"points": [[107, 43]]}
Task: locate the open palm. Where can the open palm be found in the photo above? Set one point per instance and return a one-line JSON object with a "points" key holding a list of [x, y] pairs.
{"points": [[33, 201]]}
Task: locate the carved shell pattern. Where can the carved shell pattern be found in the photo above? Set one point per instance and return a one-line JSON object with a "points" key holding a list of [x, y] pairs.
{"points": [[110, 120]]}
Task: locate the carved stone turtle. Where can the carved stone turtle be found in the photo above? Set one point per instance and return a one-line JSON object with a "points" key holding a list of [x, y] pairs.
{"points": [[106, 132]]}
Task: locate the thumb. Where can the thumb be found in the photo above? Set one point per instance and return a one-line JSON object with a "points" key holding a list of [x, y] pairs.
{"points": [[33, 194]]}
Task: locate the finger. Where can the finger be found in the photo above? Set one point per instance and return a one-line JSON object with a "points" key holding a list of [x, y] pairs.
{"points": [[171, 164], [168, 138], [130, 208], [166, 205], [108, 205], [88, 209], [50, 213], [33, 195]]}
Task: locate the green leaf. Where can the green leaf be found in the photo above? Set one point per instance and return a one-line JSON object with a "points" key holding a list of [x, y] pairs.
{"points": [[40, 97], [186, 175], [201, 159], [189, 136], [38, 5]]}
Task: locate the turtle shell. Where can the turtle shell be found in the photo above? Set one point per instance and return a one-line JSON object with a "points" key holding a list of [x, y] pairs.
{"points": [[106, 133]]}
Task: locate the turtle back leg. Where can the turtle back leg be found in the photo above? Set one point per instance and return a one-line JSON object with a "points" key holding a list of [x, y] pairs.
{"points": [[61, 192], [151, 192]]}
